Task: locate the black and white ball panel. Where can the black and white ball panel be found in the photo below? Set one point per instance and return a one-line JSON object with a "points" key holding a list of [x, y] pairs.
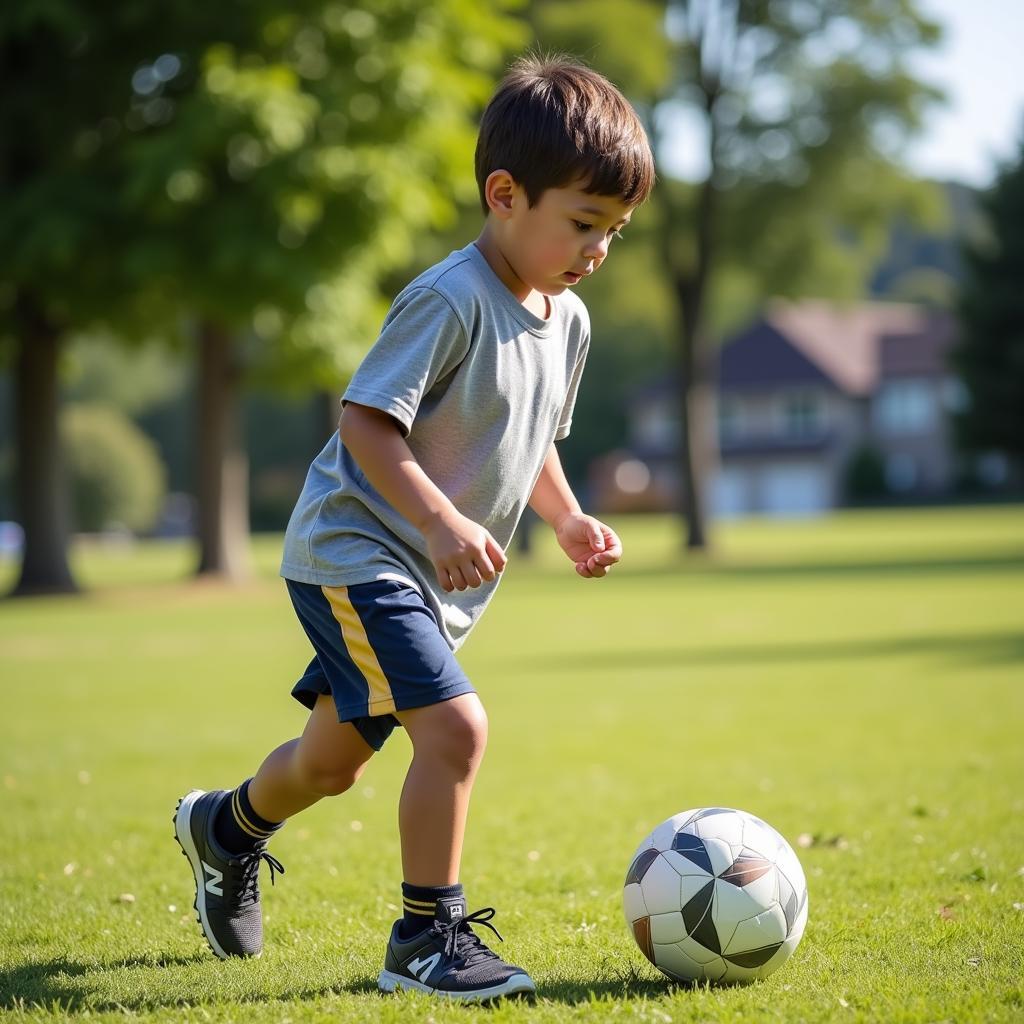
{"points": [[716, 893]]}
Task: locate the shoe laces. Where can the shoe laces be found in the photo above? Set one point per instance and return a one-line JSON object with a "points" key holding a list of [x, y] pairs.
{"points": [[463, 943], [248, 876]]}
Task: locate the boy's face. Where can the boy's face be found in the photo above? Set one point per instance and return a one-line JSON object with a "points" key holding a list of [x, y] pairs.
{"points": [[564, 238]]}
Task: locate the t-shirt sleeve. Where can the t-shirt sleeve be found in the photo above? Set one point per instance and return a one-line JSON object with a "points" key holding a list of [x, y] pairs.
{"points": [[565, 420], [422, 341]]}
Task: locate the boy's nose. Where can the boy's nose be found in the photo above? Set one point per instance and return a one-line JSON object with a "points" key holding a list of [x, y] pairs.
{"points": [[596, 250]]}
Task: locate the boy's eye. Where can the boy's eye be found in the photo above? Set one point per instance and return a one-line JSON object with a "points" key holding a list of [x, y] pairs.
{"points": [[583, 228]]}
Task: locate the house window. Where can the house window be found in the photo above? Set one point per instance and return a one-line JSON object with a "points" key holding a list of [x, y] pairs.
{"points": [[730, 418], [905, 407], [802, 414]]}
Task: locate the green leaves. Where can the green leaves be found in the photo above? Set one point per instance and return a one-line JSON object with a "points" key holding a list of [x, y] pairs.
{"points": [[239, 161]]}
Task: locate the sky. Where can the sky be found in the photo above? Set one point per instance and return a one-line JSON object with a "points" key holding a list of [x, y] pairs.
{"points": [[980, 64]]}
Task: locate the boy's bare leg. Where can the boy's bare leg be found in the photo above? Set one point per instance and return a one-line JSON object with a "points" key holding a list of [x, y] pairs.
{"points": [[448, 741], [325, 760], [427, 951]]}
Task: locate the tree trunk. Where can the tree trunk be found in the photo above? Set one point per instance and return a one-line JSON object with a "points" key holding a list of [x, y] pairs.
{"points": [[694, 401], [525, 532], [223, 513], [696, 388], [40, 481], [328, 412]]}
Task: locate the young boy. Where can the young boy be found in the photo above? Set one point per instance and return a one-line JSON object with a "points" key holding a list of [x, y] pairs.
{"points": [[398, 538]]}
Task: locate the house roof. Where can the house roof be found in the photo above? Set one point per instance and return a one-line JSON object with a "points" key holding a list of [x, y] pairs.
{"points": [[923, 352], [763, 356], [851, 347]]}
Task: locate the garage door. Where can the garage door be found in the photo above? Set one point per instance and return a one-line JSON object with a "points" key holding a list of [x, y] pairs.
{"points": [[730, 492], [792, 488]]}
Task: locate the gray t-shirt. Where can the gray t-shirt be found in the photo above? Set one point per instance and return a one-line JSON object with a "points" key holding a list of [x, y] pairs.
{"points": [[481, 387]]}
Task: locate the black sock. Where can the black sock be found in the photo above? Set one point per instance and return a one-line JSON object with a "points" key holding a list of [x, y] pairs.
{"points": [[420, 905], [237, 827]]}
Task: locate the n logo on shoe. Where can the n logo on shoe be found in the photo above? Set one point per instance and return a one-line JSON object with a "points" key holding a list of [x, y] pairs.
{"points": [[421, 968], [213, 882]]}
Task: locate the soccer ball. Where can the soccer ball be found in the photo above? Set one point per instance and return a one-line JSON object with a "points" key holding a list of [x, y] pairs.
{"points": [[715, 894]]}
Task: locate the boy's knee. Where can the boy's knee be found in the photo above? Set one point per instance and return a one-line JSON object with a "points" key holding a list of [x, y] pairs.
{"points": [[458, 734], [325, 778], [470, 732]]}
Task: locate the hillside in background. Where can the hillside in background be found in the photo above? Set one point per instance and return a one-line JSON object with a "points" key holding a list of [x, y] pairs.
{"points": [[926, 266]]}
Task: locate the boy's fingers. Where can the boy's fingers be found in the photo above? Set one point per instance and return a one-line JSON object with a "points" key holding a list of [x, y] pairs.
{"points": [[612, 544], [445, 580], [483, 566], [495, 554]]}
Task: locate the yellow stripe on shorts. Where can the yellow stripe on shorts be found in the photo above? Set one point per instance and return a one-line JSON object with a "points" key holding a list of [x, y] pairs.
{"points": [[353, 632]]}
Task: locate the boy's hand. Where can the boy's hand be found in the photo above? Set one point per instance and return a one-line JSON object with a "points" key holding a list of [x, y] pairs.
{"points": [[594, 547], [463, 552]]}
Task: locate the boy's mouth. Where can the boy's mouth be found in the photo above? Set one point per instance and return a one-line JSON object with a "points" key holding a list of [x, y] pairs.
{"points": [[573, 278]]}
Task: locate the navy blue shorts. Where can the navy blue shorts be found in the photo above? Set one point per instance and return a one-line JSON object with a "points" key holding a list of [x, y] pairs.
{"points": [[378, 650]]}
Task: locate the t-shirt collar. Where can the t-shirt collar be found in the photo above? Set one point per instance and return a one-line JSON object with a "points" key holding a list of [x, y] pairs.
{"points": [[533, 323]]}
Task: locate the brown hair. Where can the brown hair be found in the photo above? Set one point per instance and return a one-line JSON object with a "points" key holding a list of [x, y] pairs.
{"points": [[554, 121]]}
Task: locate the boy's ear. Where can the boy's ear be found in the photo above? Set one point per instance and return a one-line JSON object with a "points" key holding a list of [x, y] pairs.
{"points": [[500, 191]]}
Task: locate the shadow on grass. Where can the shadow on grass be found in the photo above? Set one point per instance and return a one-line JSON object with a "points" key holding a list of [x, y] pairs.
{"points": [[973, 648], [50, 985], [627, 984], [703, 565], [573, 993], [1008, 561], [46, 983]]}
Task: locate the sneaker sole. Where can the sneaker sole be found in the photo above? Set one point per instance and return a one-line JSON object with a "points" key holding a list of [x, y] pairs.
{"points": [[183, 835], [518, 984]]}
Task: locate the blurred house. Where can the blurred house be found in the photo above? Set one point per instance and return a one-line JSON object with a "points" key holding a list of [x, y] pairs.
{"points": [[817, 405]]}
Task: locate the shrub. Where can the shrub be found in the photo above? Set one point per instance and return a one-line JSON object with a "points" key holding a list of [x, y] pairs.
{"points": [[865, 475], [115, 473]]}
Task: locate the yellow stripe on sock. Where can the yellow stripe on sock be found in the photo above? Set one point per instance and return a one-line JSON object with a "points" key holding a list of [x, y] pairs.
{"points": [[243, 822], [429, 904], [353, 632], [420, 913]]}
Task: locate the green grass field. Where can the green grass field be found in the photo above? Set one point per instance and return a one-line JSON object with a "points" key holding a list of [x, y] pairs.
{"points": [[858, 680]]}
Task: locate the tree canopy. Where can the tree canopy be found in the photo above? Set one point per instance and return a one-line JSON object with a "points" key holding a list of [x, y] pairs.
{"points": [[800, 111], [259, 163], [249, 167]]}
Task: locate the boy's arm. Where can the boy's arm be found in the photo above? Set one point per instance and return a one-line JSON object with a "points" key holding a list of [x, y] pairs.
{"points": [[593, 546], [463, 552]]}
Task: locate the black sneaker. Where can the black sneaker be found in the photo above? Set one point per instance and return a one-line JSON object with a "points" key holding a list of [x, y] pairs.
{"points": [[449, 960], [227, 884]]}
